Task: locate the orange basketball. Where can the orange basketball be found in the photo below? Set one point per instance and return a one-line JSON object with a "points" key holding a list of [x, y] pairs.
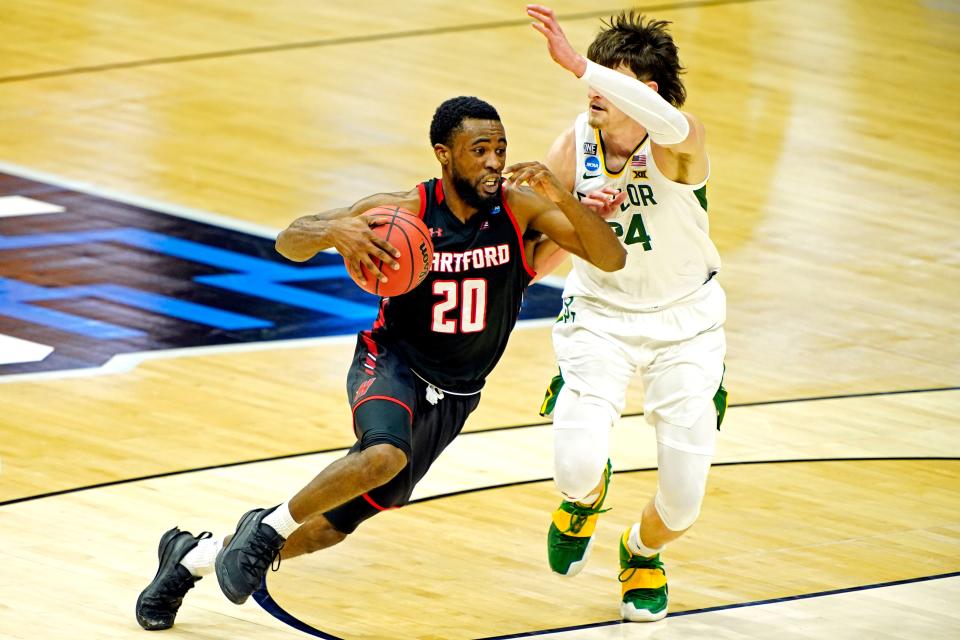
{"points": [[411, 237]]}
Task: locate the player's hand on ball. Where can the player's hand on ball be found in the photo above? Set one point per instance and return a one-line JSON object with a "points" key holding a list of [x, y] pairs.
{"points": [[538, 177], [358, 245], [605, 201]]}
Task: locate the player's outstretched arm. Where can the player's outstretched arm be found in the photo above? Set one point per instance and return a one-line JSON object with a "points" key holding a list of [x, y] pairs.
{"points": [[342, 229], [548, 207], [667, 125]]}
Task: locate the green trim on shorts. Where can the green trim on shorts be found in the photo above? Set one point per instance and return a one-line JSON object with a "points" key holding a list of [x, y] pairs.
{"points": [[550, 397], [701, 194], [720, 400]]}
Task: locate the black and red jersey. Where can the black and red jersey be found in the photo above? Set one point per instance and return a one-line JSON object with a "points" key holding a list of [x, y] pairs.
{"points": [[453, 328]]}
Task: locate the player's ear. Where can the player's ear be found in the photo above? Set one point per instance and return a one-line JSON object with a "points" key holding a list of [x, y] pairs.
{"points": [[443, 153]]}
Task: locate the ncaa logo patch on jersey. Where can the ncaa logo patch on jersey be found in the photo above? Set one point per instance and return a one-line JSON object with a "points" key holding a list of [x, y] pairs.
{"points": [[590, 148], [592, 163]]}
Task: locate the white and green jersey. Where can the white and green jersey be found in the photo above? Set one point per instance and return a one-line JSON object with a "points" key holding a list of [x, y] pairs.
{"points": [[662, 223]]}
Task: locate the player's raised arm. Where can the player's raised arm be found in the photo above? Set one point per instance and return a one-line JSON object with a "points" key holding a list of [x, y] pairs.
{"points": [[548, 207], [342, 229], [638, 98]]}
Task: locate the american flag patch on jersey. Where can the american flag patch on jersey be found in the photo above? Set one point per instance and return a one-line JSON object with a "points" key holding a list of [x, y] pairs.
{"points": [[639, 160]]}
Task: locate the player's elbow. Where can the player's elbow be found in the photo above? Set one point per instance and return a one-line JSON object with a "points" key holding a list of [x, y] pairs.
{"points": [[614, 260], [286, 247]]}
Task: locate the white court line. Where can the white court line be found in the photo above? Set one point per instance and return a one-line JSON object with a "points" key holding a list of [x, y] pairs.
{"points": [[16, 206], [127, 361], [17, 350], [139, 201]]}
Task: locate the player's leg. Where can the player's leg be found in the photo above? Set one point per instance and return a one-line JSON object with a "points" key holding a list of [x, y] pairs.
{"points": [[586, 401], [682, 479], [382, 393], [582, 471], [437, 424], [380, 453], [316, 534], [683, 391]]}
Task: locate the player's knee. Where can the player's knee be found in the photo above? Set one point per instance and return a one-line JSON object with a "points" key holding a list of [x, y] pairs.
{"points": [[576, 480], [581, 433], [678, 515], [381, 463], [578, 462], [678, 503]]}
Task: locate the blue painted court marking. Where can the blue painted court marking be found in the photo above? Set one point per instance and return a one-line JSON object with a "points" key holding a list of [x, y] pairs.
{"points": [[18, 293], [66, 322], [110, 279], [259, 277]]}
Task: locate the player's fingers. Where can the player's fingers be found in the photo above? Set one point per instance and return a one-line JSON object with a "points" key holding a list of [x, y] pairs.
{"points": [[517, 167], [594, 202], [373, 269], [521, 176], [386, 246], [376, 221], [384, 255], [619, 198], [353, 266]]}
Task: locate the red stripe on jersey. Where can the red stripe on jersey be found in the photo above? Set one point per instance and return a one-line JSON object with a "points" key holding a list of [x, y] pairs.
{"points": [[422, 188], [439, 191], [368, 341], [374, 504], [516, 227], [388, 399], [380, 321]]}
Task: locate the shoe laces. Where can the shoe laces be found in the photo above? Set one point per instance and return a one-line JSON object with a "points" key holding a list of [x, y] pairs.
{"points": [[579, 516], [639, 562], [264, 553], [172, 590]]}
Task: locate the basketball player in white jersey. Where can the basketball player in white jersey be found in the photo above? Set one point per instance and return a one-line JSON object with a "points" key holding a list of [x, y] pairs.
{"points": [[640, 161]]}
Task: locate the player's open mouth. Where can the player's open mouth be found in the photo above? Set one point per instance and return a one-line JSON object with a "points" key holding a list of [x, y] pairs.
{"points": [[596, 107], [491, 184]]}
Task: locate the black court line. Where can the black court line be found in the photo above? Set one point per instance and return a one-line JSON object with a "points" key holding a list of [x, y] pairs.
{"points": [[266, 601], [301, 454], [725, 607], [329, 42], [270, 605], [739, 463]]}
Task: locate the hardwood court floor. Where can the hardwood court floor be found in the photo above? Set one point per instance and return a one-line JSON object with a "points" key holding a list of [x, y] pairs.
{"points": [[835, 145]]}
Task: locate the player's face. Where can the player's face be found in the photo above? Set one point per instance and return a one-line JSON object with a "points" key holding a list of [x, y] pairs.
{"points": [[479, 154], [601, 112]]}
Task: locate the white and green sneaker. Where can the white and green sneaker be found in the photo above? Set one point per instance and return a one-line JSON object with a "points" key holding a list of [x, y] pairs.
{"points": [[643, 585], [570, 536]]}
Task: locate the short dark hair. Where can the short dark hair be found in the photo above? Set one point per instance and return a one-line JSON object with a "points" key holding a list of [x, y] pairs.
{"points": [[449, 117], [647, 48]]}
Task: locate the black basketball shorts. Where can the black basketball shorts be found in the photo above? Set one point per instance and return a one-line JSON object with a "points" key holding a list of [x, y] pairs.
{"points": [[390, 406]]}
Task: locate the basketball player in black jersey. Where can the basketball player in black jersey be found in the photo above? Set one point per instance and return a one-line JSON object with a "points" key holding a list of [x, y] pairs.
{"points": [[417, 374]]}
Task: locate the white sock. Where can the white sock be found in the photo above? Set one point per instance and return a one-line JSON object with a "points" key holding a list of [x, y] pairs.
{"points": [[636, 546], [281, 520], [199, 561]]}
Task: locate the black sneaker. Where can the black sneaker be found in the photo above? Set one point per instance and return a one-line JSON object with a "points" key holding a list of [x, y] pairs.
{"points": [[158, 604], [242, 564]]}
